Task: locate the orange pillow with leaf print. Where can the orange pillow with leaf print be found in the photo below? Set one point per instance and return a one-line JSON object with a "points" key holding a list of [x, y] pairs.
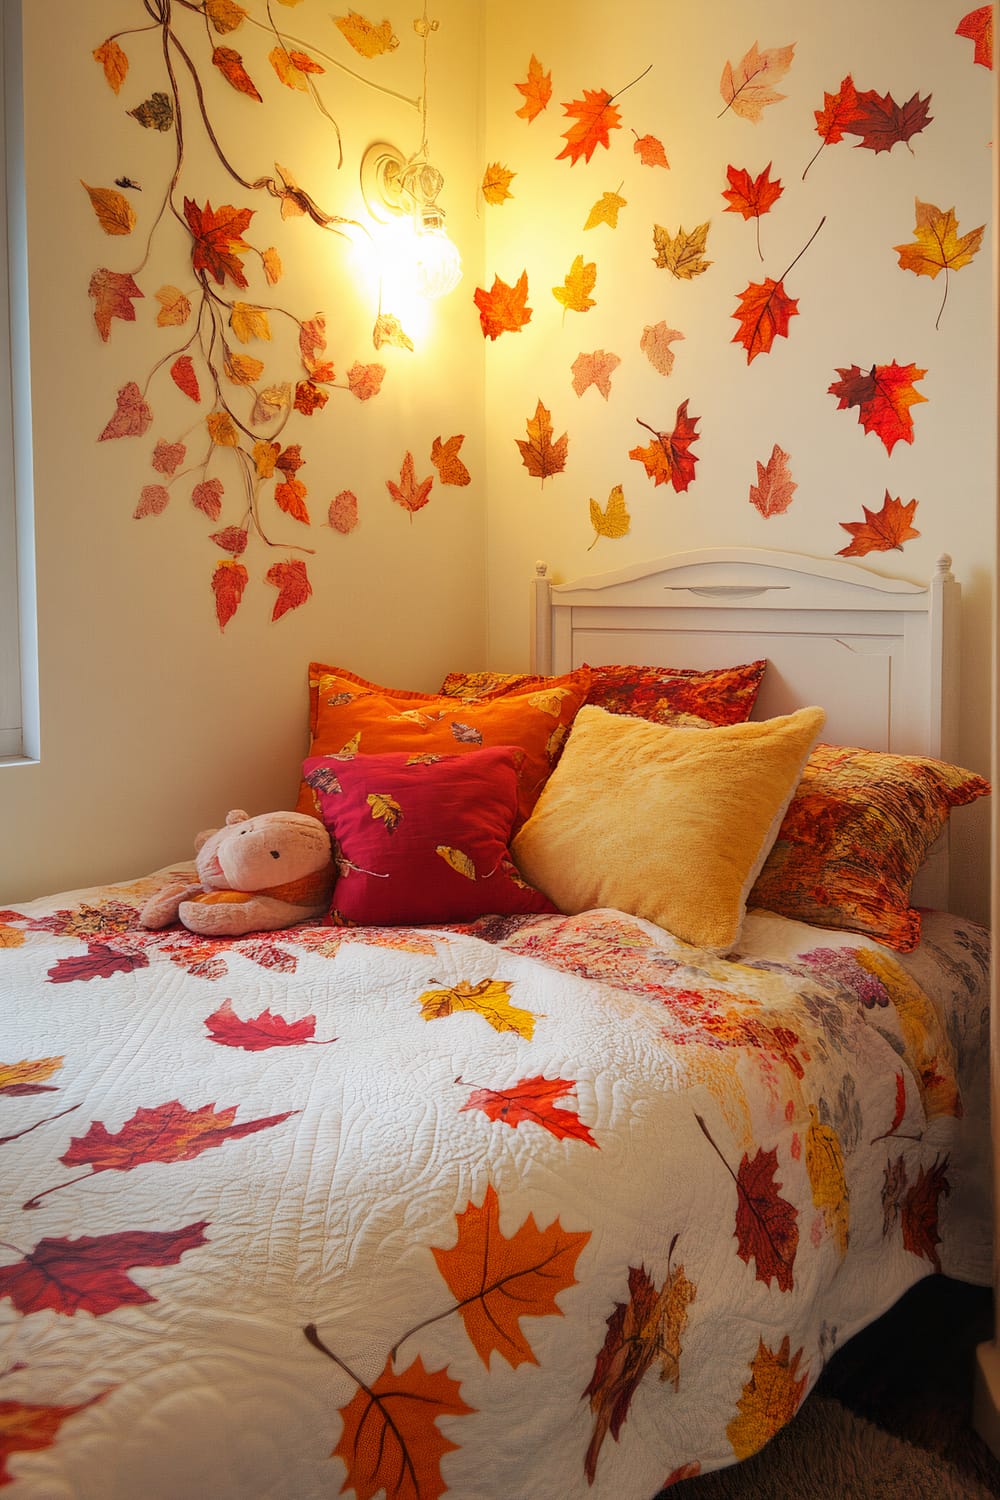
{"points": [[663, 695], [350, 716], [855, 834]]}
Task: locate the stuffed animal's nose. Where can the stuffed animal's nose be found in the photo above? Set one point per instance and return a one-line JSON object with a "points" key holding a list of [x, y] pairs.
{"points": [[274, 854]]}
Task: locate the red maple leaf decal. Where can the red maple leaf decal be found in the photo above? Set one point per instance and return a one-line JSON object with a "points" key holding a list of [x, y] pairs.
{"points": [[763, 313], [27, 1428], [880, 530], [218, 239], [261, 1032], [88, 1274], [167, 1133], [595, 117], [533, 1099], [228, 583], [113, 293], [669, 458], [99, 962], [838, 114], [883, 396], [182, 373], [882, 123], [919, 1212], [503, 309], [292, 582], [751, 196], [411, 493]]}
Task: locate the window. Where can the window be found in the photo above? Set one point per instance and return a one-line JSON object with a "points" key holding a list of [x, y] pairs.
{"points": [[18, 674]]}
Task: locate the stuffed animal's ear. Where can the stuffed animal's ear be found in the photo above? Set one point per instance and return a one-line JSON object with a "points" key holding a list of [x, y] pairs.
{"points": [[237, 815], [202, 838]]}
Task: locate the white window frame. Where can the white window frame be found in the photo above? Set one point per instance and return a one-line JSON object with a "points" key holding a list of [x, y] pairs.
{"points": [[18, 634]]}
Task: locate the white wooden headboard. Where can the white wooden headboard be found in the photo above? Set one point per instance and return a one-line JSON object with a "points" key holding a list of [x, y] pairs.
{"points": [[880, 655]]}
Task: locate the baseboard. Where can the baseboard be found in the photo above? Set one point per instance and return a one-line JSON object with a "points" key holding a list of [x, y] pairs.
{"points": [[986, 1396]]}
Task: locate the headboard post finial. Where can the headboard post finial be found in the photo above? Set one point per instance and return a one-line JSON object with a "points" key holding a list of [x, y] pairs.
{"points": [[542, 569], [942, 569]]}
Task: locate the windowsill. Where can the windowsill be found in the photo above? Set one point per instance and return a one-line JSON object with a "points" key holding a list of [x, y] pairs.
{"points": [[18, 760]]}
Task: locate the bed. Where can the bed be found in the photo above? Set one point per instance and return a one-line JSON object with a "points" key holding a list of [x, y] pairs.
{"points": [[548, 1200]]}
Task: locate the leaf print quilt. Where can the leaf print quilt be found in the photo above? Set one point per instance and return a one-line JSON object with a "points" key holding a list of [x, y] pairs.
{"points": [[535, 1205]]}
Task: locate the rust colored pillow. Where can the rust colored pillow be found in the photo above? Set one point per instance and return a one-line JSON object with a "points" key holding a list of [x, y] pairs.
{"points": [[680, 696], [351, 716], [422, 841], [854, 836]]}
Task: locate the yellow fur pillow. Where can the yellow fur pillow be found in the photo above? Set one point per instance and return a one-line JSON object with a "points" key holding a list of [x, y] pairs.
{"points": [[669, 824]]}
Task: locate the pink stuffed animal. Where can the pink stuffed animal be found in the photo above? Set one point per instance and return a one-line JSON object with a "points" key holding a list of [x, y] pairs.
{"points": [[254, 875]]}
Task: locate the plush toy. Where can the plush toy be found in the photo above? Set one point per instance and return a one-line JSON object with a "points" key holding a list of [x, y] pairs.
{"points": [[254, 875]]}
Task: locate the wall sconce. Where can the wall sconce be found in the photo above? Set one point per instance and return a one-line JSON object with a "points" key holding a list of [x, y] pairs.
{"points": [[405, 192]]}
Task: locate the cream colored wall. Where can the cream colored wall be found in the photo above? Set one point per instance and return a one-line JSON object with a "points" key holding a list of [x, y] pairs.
{"points": [[153, 721], [855, 305]]}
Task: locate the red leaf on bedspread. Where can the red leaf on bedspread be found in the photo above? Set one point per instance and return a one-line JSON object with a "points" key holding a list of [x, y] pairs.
{"points": [[88, 1274], [99, 962], [499, 1280], [919, 1212], [533, 1099], [260, 1032], [26, 1428], [646, 1329], [391, 1442]]}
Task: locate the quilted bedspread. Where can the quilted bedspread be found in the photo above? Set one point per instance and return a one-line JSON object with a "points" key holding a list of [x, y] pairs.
{"points": [[535, 1209]]}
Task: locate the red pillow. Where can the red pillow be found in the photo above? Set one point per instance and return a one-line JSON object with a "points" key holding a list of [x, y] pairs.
{"points": [[422, 838]]}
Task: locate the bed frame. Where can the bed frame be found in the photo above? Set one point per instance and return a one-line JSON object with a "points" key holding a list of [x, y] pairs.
{"points": [[880, 655]]}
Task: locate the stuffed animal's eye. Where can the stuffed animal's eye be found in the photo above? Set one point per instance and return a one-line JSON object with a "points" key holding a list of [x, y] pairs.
{"points": [[274, 854]]}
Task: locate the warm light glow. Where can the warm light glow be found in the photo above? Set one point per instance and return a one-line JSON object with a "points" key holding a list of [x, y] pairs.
{"points": [[401, 196], [437, 263]]}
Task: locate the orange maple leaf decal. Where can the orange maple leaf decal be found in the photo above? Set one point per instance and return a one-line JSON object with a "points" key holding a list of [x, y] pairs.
{"points": [[835, 118], [881, 530], [645, 1329], [533, 1100], [772, 494], [503, 308], [539, 454], [230, 65], [751, 196], [218, 239], [595, 117], [977, 26], [497, 1280], [444, 457], [410, 492], [669, 460], [650, 150], [763, 313], [770, 1398], [883, 396], [537, 91]]}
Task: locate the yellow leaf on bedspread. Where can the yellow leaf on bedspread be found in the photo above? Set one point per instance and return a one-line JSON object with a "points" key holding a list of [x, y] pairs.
{"points": [[10, 937], [490, 998], [928, 1051], [825, 1165], [770, 1398], [26, 1077]]}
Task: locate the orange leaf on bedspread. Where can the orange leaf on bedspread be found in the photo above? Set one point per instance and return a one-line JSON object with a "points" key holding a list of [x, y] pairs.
{"points": [[88, 1274], [533, 1099], [499, 1280], [26, 1428], [168, 1133], [770, 1398]]}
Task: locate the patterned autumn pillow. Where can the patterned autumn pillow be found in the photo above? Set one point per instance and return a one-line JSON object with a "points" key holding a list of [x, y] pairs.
{"points": [[855, 834], [351, 716], [664, 695], [422, 839]]}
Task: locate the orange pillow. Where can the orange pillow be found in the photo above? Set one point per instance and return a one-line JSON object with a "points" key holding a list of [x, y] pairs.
{"points": [[349, 716]]}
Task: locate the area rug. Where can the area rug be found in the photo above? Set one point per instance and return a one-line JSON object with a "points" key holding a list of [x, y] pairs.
{"points": [[890, 1418]]}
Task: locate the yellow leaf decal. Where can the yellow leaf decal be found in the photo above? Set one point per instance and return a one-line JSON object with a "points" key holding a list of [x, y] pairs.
{"points": [[387, 808], [682, 254], [490, 998], [364, 37], [271, 262], [175, 307], [249, 322], [25, 1076], [114, 62], [614, 520], [458, 861], [225, 15], [770, 1398], [114, 211], [222, 429], [243, 369], [11, 937], [606, 210], [550, 702], [350, 750], [928, 1051], [938, 246], [825, 1165], [264, 456], [496, 183], [574, 294]]}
